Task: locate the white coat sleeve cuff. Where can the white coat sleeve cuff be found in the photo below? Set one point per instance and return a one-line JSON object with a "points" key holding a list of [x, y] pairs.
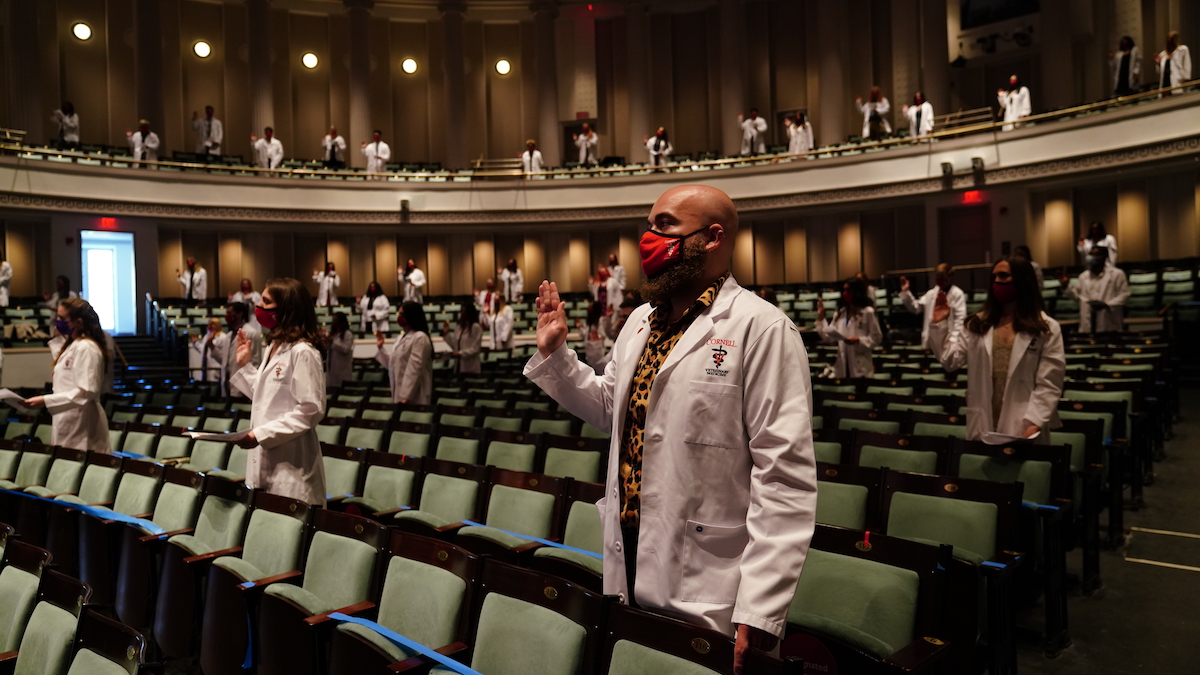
{"points": [[760, 622], [243, 380], [539, 366]]}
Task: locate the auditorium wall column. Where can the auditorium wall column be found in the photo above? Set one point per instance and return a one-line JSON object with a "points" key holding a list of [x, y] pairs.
{"points": [[147, 65], [1058, 60], [935, 55], [544, 14], [25, 108], [359, 13], [1133, 220], [733, 75], [455, 82], [828, 43], [636, 36], [258, 39]]}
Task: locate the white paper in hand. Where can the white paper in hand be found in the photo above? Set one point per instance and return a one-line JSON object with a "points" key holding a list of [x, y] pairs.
{"points": [[996, 438], [15, 401], [218, 436]]}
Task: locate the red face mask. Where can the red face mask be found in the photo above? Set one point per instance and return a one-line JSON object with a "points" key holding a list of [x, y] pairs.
{"points": [[848, 297], [1004, 292], [267, 318], [660, 251]]}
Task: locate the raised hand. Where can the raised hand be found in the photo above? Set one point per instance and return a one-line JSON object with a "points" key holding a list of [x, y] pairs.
{"points": [[941, 308], [379, 339], [552, 319], [904, 285], [820, 308], [243, 349]]}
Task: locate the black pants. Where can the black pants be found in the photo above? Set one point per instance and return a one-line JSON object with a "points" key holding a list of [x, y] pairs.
{"points": [[334, 165], [629, 536]]}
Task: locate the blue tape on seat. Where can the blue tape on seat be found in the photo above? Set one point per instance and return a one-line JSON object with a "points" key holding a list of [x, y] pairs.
{"points": [[547, 542], [989, 563], [1039, 506], [405, 643], [130, 455], [103, 514]]}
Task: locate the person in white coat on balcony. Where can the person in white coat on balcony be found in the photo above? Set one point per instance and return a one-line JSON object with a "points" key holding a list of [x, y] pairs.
{"points": [[374, 307], [333, 148], [943, 282], [6, 274], [287, 396], [531, 159], [209, 133], [377, 154], [1015, 102], [268, 150], [587, 140], [194, 281], [1126, 65], [327, 284], [1174, 63], [78, 418], [1098, 236], [67, 122], [800, 134], [920, 116], [341, 352], [409, 359], [512, 281], [710, 384], [1013, 352], [754, 133], [465, 340], [659, 146], [875, 125], [143, 142], [855, 330], [412, 282], [1102, 291]]}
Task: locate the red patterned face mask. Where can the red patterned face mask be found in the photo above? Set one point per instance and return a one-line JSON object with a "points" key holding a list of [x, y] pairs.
{"points": [[660, 251]]}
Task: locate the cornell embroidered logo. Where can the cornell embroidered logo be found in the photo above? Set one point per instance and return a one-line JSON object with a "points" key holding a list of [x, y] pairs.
{"points": [[719, 355], [278, 371]]}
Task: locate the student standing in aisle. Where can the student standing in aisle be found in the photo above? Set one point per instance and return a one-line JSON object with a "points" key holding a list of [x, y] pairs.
{"points": [[287, 394], [327, 283], [754, 130], [6, 273], [512, 281], [465, 340], [409, 359], [377, 153], [943, 284], [855, 330], [1102, 292], [341, 352], [374, 306], [78, 381], [412, 282], [800, 134], [1098, 236], [920, 116]]}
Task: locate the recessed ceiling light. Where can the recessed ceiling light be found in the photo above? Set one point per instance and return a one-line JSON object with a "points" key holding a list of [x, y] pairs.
{"points": [[202, 49], [409, 66], [309, 60], [503, 67], [82, 31]]}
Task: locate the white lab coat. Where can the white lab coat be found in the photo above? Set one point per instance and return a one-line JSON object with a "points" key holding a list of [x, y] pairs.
{"points": [[288, 395], [327, 283], [208, 140], [79, 421], [882, 107], [197, 281], [753, 140], [800, 138], [1016, 104], [853, 360], [618, 273], [409, 360], [339, 148], [613, 289], [1111, 287], [145, 149], [926, 126], [587, 148], [1035, 378], [955, 297], [413, 285], [68, 125], [268, 154], [377, 153], [376, 312], [661, 155], [227, 354], [6, 273], [502, 329], [1109, 242], [468, 344], [209, 371], [1181, 66], [1135, 68], [512, 284], [488, 301], [729, 489], [251, 299], [532, 162], [341, 360]]}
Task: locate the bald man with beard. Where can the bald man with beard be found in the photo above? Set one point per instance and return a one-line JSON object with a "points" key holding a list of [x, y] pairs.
{"points": [[711, 490]]}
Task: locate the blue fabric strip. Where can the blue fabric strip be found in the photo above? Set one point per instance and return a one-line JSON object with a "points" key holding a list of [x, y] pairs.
{"points": [[405, 643], [101, 513], [130, 455], [547, 542], [1035, 505]]}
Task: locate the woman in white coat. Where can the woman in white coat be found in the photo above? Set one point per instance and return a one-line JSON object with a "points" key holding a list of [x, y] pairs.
{"points": [[412, 282], [409, 359], [1126, 64], [501, 327], [1174, 63], [873, 112], [465, 340], [78, 381], [920, 116], [68, 127], [205, 355], [512, 281], [287, 394], [800, 134], [341, 352], [143, 143], [587, 141], [374, 306], [1098, 236], [855, 330], [659, 146], [327, 283], [1015, 102], [6, 273], [1013, 353]]}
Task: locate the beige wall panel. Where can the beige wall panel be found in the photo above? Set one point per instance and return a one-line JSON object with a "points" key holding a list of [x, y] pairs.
{"points": [[504, 92], [743, 254], [558, 259], [203, 79], [201, 245], [478, 70], [461, 272], [20, 249], [1059, 229], [689, 91], [427, 253], [171, 128], [849, 246], [121, 114], [362, 262], [84, 70], [822, 239], [337, 251], [602, 243], [622, 135], [410, 93], [382, 66], [1133, 219], [484, 262], [385, 264], [630, 256], [170, 258], [310, 251], [579, 256], [309, 87], [510, 246], [534, 262], [235, 114], [283, 247], [1035, 228], [662, 85], [258, 258], [758, 65], [1173, 212], [339, 86], [282, 65], [768, 254], [1094, 204], [910, 237], [878, 242], [436, 99], [229, 262], [795, 252], [787, 55], [529, 90]]}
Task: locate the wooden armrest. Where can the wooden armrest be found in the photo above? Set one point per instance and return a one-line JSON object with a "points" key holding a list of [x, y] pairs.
{"points": [[392, 512], [420, 664], [166, 535], [259, 585], [337, 498], [451, 528], [917, 654], [1002, 562], [351, 611], [213, 555], [527, 548], [8, 663]]}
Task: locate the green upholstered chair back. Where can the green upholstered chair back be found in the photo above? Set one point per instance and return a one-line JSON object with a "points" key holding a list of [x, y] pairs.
{"points": [[9, 460], [221, 523], [916, 461], [212, 423], [870, 605], [416, 417], [521, 511], [99, 484], [451, 499], [881, 389], [631, 658], [502, 423], [363, 437], [136, 494], [916, 407], [583, 528], [44, 433], [339, 569], [341, 475], [186, 421], [855, 405], [939, 430], [388, 486], [878, 426], [170, 447], [511, 456], [237, 461], [828, 452], [556, 427], [329, 433], [453, 420], [18, 592], [1034, 474], [88, 662], [33, 469], [970, 527], [273, 542], [207, 455], [516, 637], [139, 442], [176, 506], [64, 476], [835, 388], [46, 646], [842, 504], [587, 431], [409, 443], [581, 465], [17, 429], [422, 602], [464, 450], [945, 391]]}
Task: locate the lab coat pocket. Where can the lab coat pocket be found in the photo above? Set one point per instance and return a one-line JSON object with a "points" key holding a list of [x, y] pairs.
{"points": [[711, 558], [714, 414]]}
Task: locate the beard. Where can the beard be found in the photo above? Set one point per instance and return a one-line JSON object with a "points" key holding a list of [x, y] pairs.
{"points": [[660, 288]]}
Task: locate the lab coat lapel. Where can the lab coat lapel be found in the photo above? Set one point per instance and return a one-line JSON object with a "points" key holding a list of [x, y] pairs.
{"points": [[1020, 345], [701, 328]]}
